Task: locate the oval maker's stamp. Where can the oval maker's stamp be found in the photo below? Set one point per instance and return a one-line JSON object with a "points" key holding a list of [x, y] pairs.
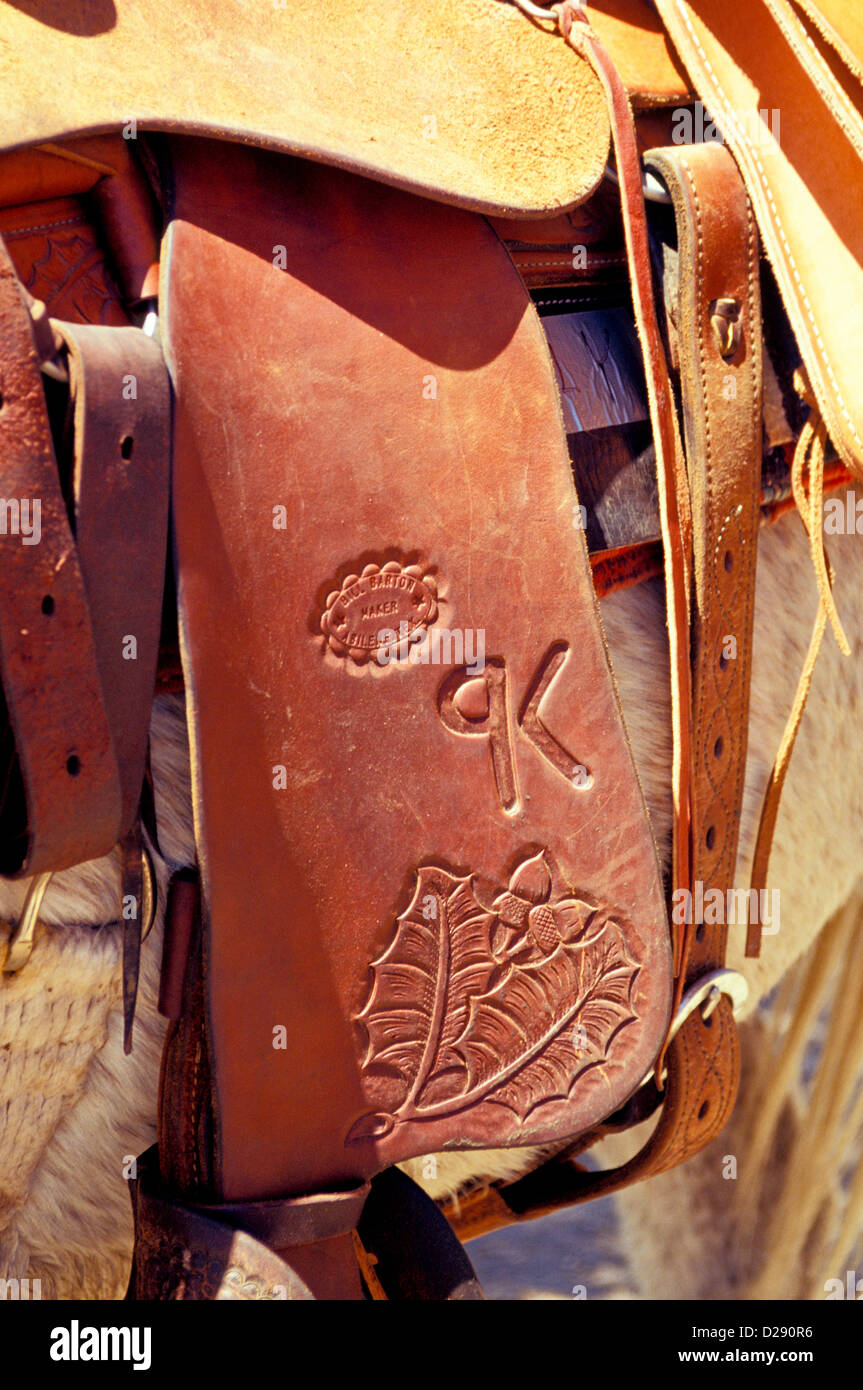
{"points": [[360, 617]]}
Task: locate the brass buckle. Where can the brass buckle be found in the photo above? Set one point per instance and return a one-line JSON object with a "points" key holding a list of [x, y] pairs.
{"points": [[19, 947], [20, 944]]}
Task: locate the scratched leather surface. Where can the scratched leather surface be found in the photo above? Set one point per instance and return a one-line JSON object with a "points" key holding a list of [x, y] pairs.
{"points": [[431, 913]]}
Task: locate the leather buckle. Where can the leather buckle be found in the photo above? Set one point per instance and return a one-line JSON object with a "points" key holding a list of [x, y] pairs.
{"points": [[19, 947]]}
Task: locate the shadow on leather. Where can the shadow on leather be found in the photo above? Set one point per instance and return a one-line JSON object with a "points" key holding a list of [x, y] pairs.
{"points": [[335, 233], [87, 19]]}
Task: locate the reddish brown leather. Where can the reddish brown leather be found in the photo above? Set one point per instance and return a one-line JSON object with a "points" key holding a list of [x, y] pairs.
{"points": [[71, 786], [131, 227], [393, 778], [120, 402], [721, 399], [58, 256]]}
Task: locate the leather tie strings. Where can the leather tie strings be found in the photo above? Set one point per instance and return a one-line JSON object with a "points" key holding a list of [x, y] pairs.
{"points": [[807, 481]]}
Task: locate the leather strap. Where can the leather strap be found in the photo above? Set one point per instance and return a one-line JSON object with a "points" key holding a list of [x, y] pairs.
{"points": [[120, 397], [184, 1252], [718, 318], [68, 806], [720, 387], [675, 521]]}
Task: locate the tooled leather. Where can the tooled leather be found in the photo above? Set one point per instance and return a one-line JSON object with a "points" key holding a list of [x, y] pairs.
{"points": [[186, 1128], [351, 987]]}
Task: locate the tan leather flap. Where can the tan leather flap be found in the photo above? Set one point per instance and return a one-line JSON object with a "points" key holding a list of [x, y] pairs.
{"points": [[797, 139], [468, 102]]}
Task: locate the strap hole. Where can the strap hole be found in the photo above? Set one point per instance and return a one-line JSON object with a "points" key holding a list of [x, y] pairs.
{"points": [[710, 837], [73, 765], [126, 447], [2, 402], [703, 1109], [718, 747], [48, 605], [728, 561], [723, 661], [699, 932]]}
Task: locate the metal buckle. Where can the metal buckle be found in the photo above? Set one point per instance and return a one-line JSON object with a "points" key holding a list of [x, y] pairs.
{"points": [[707, 992], [19, 947]]}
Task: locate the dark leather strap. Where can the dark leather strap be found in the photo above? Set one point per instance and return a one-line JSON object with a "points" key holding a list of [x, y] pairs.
{"points": [[69, 803], [121, 408]]}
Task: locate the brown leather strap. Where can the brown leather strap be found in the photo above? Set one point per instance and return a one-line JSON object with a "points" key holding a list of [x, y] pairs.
{"points": [[718, 317], [121, 406], [673, 493], [292, 1220], [68, 806], [720, 386]]}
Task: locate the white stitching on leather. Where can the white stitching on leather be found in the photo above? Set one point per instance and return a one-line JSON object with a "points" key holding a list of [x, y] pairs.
{"points": [[843, 409]]}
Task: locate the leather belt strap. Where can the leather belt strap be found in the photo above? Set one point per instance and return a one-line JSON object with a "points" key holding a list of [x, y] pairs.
{"points": [[69, 806], [121, 403], [675, 521], [719, 348], [80, 618], [719, 331]]}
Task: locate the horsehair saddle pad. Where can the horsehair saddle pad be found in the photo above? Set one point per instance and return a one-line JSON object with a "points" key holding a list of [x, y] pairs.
{"points": [[457, 919]]}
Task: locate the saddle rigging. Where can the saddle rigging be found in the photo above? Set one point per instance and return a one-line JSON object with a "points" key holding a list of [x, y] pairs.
{"points": [[326, 349]]}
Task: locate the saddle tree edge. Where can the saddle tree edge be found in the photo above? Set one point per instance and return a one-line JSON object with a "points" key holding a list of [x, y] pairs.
{"points": [[444, 855]]}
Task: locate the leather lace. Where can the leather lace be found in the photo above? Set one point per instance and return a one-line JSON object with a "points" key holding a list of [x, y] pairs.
{"points": [[807, 481]]}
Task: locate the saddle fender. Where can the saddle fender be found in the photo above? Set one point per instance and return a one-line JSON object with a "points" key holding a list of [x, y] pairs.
{"points": [[431, 901]]}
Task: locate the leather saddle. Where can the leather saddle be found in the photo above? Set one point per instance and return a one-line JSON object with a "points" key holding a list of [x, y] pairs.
{"points": [[275, 384]]}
